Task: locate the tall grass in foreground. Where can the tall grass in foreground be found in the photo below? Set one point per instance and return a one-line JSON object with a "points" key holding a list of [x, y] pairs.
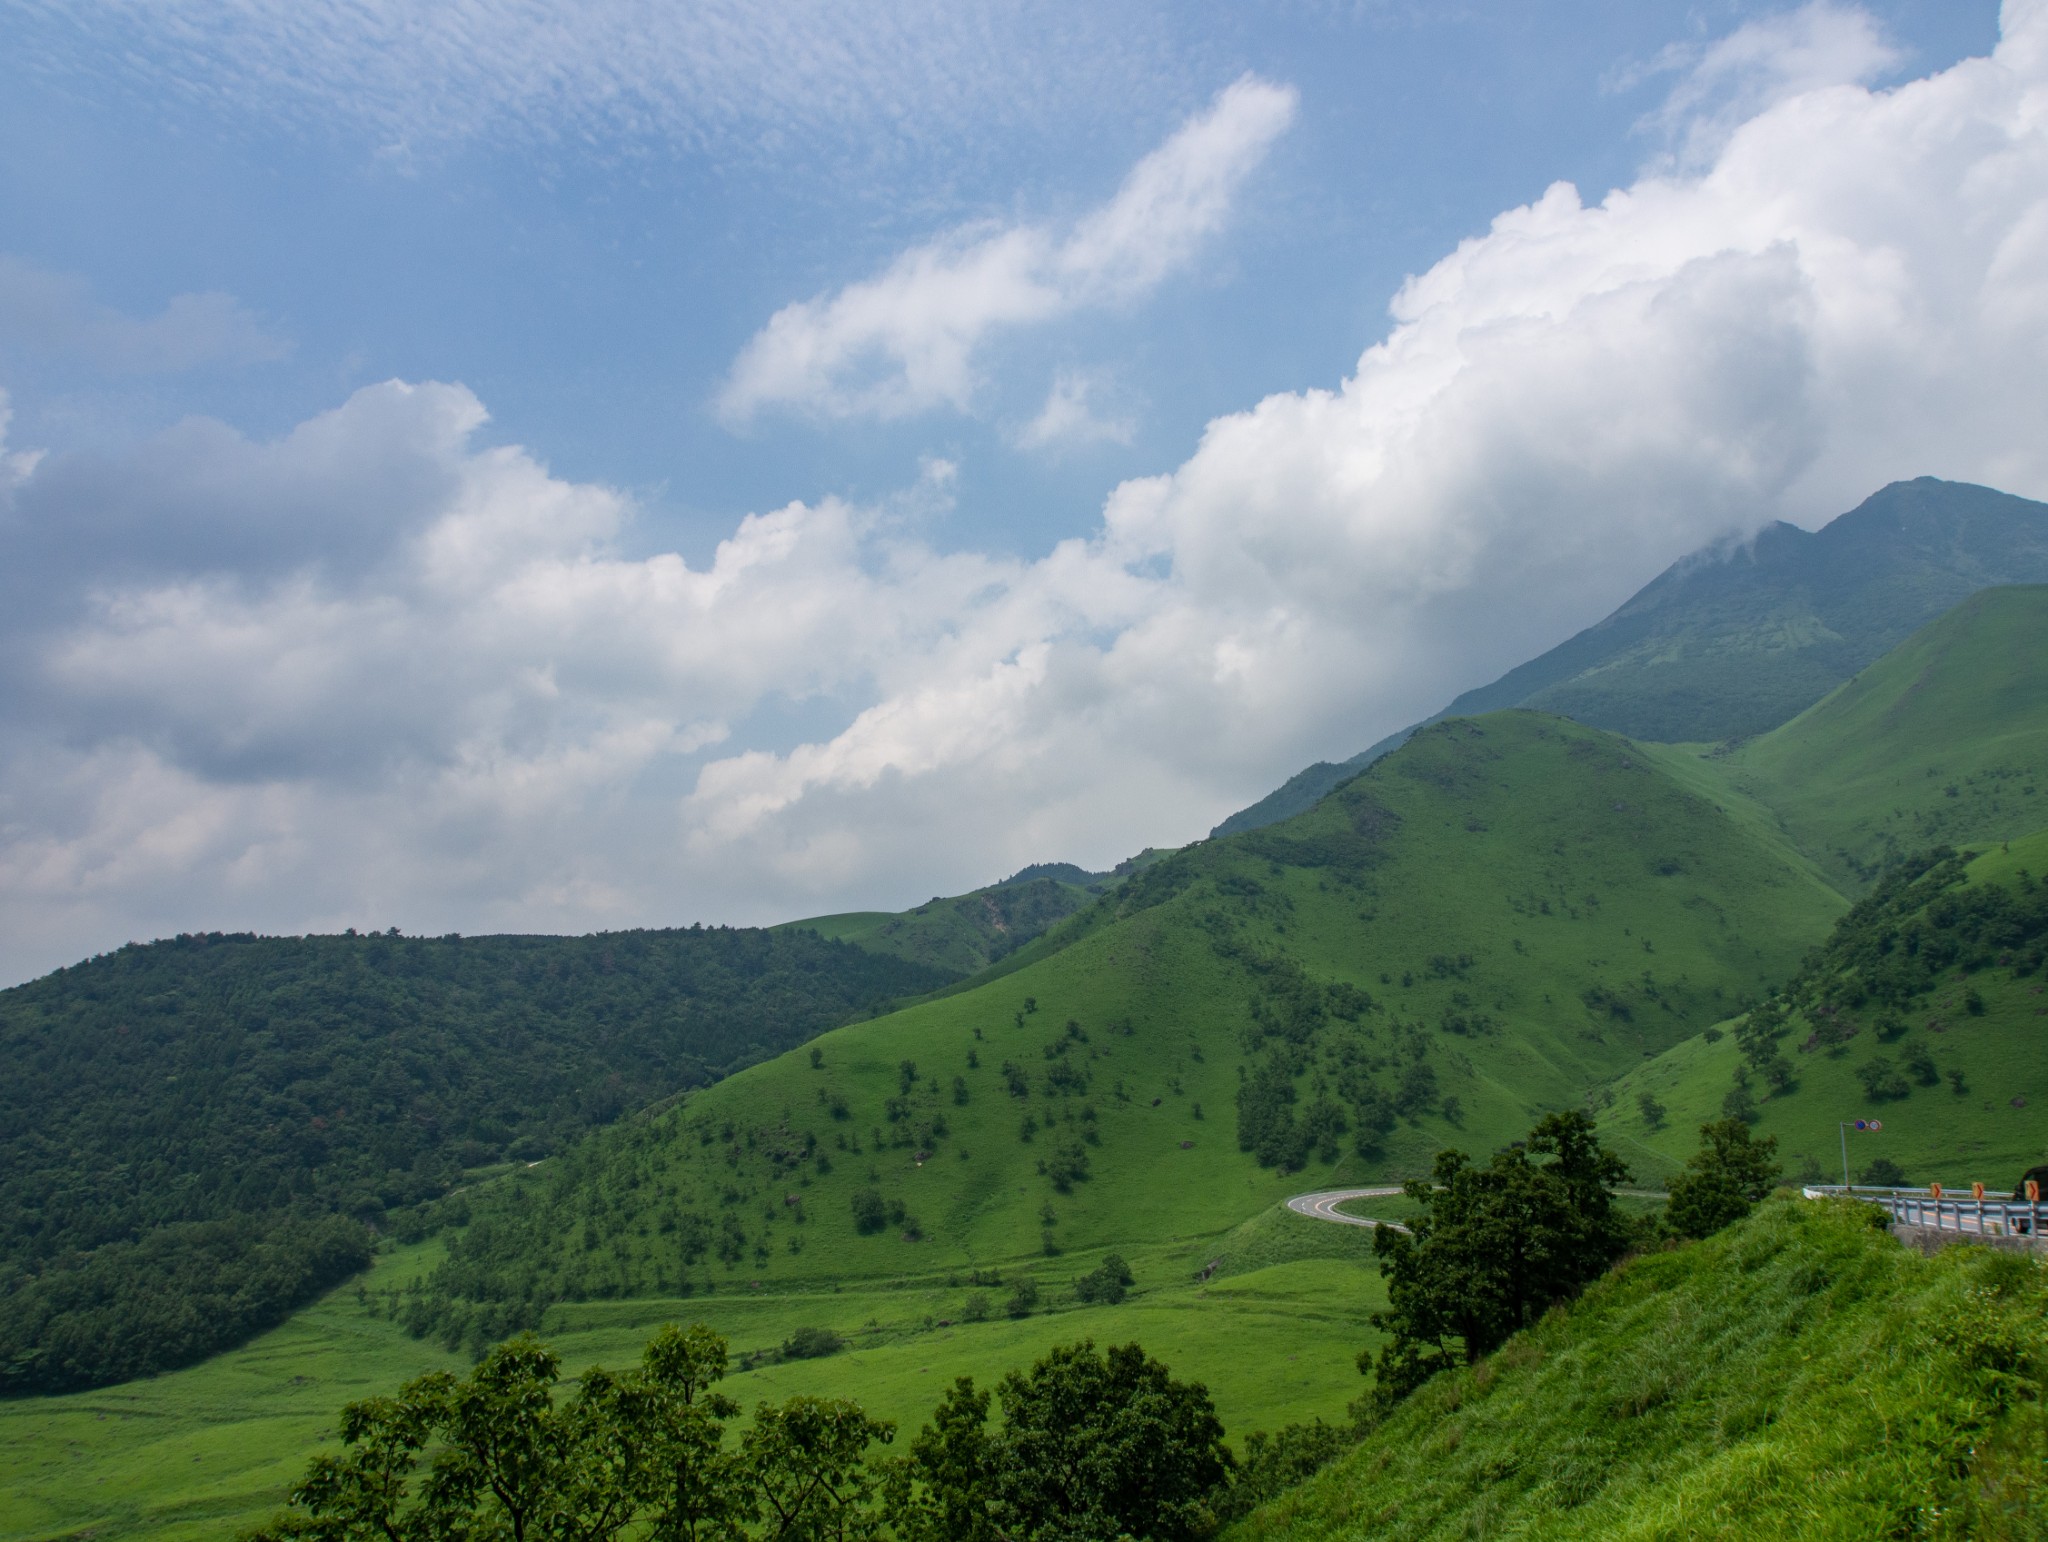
{"points": [[1800, 1375]]}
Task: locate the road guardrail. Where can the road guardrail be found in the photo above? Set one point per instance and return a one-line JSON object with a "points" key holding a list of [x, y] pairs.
{"points": [[1974, 1214]]}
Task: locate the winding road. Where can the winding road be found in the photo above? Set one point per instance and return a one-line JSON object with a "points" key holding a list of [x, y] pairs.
{"points": [[1322, 1205]]}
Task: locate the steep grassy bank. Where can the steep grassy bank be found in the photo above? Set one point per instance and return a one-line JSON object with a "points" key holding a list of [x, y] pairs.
{"points": [[1801, 1375]]}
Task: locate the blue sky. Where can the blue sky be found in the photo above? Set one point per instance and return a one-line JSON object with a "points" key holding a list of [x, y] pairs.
{"points": [[495, 465]]}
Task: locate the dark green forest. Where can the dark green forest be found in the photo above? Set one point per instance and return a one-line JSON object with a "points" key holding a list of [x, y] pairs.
{"points": [[272, 1082]]}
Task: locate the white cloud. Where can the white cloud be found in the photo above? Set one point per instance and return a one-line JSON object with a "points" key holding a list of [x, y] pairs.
{"points": [[904, 341], [1069, 416], [1732, 79], [55, 313], [445, 697]]}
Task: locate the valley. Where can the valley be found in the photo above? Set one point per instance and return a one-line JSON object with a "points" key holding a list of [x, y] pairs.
{"points": [[937, 1126]]}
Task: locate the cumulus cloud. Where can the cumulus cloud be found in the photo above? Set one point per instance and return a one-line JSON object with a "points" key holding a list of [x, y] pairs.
{"points": [[447, 695], [904, 341], [55, 313]]}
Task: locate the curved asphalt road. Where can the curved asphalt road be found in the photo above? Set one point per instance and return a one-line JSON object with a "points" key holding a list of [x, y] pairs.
{"points": [[1322, 1205]]}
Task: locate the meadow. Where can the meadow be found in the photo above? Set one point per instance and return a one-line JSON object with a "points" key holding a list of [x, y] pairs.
{"points": [[202, 1452]]}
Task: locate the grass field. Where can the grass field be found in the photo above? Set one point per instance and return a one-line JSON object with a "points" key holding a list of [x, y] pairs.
{"points": [[200, 1453]]}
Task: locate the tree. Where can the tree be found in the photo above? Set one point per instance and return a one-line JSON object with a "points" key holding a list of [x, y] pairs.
{"points": [[807, 1472], [1881, 1081], [641, 1450], [1107, 1283], [1730, 1172], [1493, 1248], [1092, 1447]]}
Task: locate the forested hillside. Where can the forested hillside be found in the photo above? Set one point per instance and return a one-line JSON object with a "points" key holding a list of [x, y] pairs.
{"points": [[170, 1109], [1507, 912]]}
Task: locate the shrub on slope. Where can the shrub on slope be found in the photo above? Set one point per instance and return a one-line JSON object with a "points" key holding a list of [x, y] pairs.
{"points": [[1799, 1375]]}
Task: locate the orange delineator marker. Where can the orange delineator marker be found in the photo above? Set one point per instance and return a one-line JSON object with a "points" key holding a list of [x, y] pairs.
{"points": [[1934, 1189], [1976, 1191]]}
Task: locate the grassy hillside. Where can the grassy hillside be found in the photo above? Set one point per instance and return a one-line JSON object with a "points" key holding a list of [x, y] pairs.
{"points": [[1982, 1016], [1801, 1375], [170, 1109], [1505, 913], [967, 932], [1942, 741]]}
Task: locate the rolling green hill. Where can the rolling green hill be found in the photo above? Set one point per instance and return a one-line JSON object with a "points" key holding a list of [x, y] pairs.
{"points": [[1941, 981], [1731, 642], [1507, 912], [171, 1111], [1800, 1375], [1942, 741]]}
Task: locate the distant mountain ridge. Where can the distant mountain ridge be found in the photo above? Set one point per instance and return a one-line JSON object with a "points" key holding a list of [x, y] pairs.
{"points": [[1732, 641]]}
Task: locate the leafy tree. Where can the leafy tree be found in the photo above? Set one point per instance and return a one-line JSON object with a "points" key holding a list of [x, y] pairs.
{"points": [[1107, 1284], [870, 1211], [1730, 1172], [639, 1453], [1881, 1081], [1092, 1448], [1493, 1248], [1272, 1464], [1883, 1173], [806, 1470]]}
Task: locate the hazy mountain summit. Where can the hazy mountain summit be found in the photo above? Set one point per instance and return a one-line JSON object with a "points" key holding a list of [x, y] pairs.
{"points": [[1735, 639]]}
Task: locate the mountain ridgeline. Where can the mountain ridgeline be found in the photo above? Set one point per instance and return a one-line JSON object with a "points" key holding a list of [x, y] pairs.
{"points": [[172, 1111], [1732, 641]]}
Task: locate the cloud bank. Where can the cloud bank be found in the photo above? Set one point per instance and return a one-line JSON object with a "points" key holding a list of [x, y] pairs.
{"points": [[904, 341], [444, 693]]}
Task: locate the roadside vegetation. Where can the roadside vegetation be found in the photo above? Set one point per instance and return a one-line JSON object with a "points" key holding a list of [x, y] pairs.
{"points": [[1797, 1375]]}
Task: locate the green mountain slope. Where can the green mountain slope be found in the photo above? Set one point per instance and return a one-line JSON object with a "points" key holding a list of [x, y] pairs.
{"points": [[1801, 1375], [1730, 643], [159, 1092], [1508, 912], [966, 933], [1944, 740], [1947, 996]]}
